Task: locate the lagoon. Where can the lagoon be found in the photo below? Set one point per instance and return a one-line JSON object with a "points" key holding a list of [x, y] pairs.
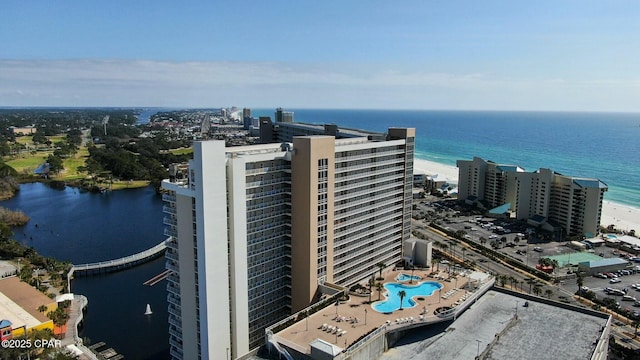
{"points": [[84, 227]]}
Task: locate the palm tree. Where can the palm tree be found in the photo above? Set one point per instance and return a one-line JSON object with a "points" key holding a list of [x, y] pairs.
{"points": [[42, 308], [411, 278], [580, 281], [402, 294], [548, 292], [483, 240], [434, 261], [530, 281], [512, 280], [537, 289], [379, 288], [381, 267]]}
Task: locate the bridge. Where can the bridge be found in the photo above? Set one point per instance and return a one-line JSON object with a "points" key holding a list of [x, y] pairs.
{"points": [[117, 264]]}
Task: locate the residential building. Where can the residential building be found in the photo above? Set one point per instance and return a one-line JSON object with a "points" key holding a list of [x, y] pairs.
{"points": [[255, 229], [571, 204]]}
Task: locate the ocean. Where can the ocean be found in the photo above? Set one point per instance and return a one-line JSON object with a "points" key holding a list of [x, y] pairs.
{"points": [[595, 145]]}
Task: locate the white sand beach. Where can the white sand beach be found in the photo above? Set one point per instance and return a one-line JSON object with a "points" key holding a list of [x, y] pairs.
{"points": [[624, 217]]}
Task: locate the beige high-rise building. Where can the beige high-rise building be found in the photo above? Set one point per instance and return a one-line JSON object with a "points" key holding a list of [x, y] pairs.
{"points": [[255, 229], [571, 203]]}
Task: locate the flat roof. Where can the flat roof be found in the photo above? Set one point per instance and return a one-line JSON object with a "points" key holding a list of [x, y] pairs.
{"points": [[538, 329], [19, 303]]}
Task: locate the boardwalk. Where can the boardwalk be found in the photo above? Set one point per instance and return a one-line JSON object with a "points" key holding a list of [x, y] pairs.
{"points": [[117, 264]]}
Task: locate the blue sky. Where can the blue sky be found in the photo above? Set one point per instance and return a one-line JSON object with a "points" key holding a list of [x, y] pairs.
{"points": [[498, 55]]}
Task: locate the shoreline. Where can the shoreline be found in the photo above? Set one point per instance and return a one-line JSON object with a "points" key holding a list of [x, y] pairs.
{"points": [[624, 217]]}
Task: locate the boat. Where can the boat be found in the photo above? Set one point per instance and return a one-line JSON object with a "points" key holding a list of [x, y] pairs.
{"points": [[148, 311]]}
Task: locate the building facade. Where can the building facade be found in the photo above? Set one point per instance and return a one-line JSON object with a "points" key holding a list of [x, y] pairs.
{"points": [[574, 204], [255, 229]]}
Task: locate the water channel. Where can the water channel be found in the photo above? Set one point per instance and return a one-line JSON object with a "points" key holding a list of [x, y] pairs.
{"points": [[84, 227]]}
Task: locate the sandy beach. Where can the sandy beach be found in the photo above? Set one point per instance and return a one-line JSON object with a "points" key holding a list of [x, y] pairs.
{"points": [[624, 217]]}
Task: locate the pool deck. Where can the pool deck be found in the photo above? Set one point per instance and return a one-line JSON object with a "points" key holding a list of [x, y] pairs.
{"points": [[358, 318]]}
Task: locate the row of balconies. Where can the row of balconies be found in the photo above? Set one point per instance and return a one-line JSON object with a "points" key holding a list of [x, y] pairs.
{"points": [[357, 208], [169, 209], [169, 197], [380, 152], [253, 184], [267, 204], [374, 202], [367, 240], [373, 226], [364, 266], [263, 194], [379, 174], [367, 219], [381, 165], [170, 220], [266, 169], [384, 189], [366, 181], [170, 232]]}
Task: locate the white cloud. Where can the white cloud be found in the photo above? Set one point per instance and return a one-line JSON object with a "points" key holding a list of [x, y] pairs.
{"points": [[268, 84]]}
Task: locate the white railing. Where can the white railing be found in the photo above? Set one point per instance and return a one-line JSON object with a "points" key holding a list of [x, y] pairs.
{"points": [[121, 261]]}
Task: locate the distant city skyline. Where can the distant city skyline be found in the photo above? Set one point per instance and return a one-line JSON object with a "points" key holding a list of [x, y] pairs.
{"points": [[495, 55]]}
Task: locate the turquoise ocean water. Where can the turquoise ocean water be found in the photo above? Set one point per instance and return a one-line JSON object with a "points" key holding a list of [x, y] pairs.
{"points": [[597, 145]]}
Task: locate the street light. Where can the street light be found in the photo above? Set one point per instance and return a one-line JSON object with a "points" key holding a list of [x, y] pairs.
{"points": [[478, 351], [365, 316]]}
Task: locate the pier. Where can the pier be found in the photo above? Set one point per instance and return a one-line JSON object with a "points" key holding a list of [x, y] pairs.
{"points": [[116, 264]]}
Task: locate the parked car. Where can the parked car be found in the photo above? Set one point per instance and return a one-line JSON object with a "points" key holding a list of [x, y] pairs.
{"points": [[537, 248], [614, 280], [628, 298], [598, 275]]}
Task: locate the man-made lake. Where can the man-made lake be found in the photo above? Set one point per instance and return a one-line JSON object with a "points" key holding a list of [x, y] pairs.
{"points": [[84, 227]]}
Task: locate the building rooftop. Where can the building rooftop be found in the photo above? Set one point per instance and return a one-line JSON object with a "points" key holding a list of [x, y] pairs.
{"points": [[356, 318], [604, 262], [590, 183], [490, 327], [19, 303]]}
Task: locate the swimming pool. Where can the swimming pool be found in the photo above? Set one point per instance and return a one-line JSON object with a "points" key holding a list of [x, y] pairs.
{"points": [[405, 277], [611, 236], [392, 302]]}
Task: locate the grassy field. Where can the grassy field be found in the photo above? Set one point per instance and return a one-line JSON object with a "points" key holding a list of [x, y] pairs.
{"points": [[29, 139], [181, 151], [26, 163]]}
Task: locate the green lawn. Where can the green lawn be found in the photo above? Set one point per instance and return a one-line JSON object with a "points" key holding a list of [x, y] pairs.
{"points": [[181, 151], [27, 162]]}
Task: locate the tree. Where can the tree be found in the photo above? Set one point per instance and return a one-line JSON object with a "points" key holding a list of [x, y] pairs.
{"points": [[402, 294], [42, 308], [580, 281], [483, 240], [381, 267], [464, 250], [55, 164], [548, 292], [537, 289], [379, 289], [411, 278]]}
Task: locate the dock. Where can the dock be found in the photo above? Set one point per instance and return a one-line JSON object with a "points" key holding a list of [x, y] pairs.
{"points": [[156, 279]]}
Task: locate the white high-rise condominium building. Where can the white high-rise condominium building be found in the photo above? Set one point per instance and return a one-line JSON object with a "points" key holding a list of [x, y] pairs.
{"points": [[572, 203], [254, 230]]}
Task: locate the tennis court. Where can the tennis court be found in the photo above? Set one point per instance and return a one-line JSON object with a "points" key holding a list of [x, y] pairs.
{"points": [[574, 258]]}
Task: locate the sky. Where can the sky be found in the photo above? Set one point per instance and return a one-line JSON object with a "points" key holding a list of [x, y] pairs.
{"points": [[546, 55]]}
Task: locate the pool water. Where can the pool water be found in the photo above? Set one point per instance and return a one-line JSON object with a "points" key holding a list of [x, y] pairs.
{"points": [[611, 236], [392, 302], [405, 277]]}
